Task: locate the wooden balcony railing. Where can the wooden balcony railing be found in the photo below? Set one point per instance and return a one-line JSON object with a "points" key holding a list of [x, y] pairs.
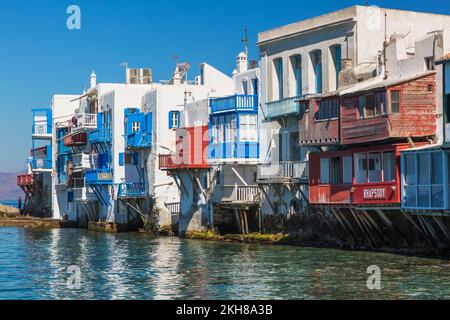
{"points": [[240, 195]]}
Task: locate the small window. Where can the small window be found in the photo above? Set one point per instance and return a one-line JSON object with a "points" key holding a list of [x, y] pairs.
{"points": [[429, 63], [128, 158], [135, 127], [245, 87], [389, 173], [361, 106], [335, 170], [374, 167], [395, 101], [361, 167], [248, 127], [370, 106], [174, 119], [325, 170], [430, 88], [347, 176]]}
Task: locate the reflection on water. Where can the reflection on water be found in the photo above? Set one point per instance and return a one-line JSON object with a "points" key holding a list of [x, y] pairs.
{"points": [[33, 265]]}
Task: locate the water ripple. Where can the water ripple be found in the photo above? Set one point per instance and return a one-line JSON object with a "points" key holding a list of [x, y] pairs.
{"points": [[33, 265]]}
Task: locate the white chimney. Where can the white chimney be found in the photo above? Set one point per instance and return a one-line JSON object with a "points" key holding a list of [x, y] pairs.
{"points": [[93, 79], [242, 62]]}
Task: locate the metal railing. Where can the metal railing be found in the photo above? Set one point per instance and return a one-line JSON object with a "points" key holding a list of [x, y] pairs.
{"points": [[139, 140], [99, 176], [81, 161], [236, 102], [282, 107], [87, 120], [103, 135], [284, 170], [136, 189], [78, 183], [240, 194], [173, 207]]}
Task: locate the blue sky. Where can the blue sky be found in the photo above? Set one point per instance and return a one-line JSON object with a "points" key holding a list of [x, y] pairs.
{"points": [[40, 57]]}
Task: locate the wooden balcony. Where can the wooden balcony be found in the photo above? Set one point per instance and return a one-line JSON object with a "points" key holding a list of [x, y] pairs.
{"points": [[236, 103], [87, 121], [282, 108], [240, 195], [284, 172], [81, 161], [76, 139], [132, 190], [172, 162], [191, 146]]}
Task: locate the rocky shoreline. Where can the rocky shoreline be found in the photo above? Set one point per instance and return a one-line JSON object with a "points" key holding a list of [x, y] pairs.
{"points": [[11, 217], [299, 240]]}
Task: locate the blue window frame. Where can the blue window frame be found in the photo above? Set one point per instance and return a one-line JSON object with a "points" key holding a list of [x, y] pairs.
{"points": [[316, 57], [424, 180], [297, 66], [174, 119], [279, 72], [336, 53]]}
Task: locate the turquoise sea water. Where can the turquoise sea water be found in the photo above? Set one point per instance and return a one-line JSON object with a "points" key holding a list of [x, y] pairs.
{"points": [[34, 265]]}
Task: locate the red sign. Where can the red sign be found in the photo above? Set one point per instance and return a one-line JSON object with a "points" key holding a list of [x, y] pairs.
{"points": [[374, 193]]}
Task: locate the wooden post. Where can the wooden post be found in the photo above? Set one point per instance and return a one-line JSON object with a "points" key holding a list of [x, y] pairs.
{"points": [[236, 213]]}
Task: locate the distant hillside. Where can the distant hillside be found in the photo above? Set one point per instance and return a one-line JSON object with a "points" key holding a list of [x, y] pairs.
{"points": [[8, 186]]}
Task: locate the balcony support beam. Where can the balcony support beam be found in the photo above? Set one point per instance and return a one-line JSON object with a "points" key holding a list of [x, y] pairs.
{"points": [[239, 176], [267, 198]]}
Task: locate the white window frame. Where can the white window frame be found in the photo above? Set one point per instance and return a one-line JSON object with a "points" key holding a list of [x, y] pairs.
{"points": [[135, 127]]}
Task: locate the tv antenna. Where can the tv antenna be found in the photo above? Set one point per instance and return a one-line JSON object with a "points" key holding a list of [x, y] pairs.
{"points": [[245, 40]]}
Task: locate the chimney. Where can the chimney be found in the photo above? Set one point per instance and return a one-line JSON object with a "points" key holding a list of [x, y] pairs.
{"points": [[242, 62], [93, 79]]}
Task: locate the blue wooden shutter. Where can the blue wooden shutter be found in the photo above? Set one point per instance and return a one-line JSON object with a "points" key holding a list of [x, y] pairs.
{"points": [[170, 120], [121, 159]]}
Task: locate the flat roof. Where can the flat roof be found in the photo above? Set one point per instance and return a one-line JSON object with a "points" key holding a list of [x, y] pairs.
{"points": [[323, 21]]}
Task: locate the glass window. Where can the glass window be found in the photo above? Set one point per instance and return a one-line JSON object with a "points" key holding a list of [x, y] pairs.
{"points": [[335, 170], [298, 75], [370, 106], [437, 196], [174, 119], [395, 101], [374, 167], [317, 63], [389, 171], [361, 167], [410, 196], [220, 129], [279, 72], [436, 168], [423, 197], [135, 126], [423, 167], [248, 127], [361, 106], [347, 176], [410, 169], [325, 170]]}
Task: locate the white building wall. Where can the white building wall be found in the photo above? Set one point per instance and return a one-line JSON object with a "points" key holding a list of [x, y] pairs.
{"points": [[63, 108]]}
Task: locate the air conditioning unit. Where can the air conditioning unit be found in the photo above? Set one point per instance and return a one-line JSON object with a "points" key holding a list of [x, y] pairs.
{"points": [[139, 76]]}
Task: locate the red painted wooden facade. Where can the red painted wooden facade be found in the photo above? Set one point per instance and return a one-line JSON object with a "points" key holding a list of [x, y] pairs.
{"points": [[348, 186], [76, 139], [317, 128], [375, 115], [191, 150]]}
